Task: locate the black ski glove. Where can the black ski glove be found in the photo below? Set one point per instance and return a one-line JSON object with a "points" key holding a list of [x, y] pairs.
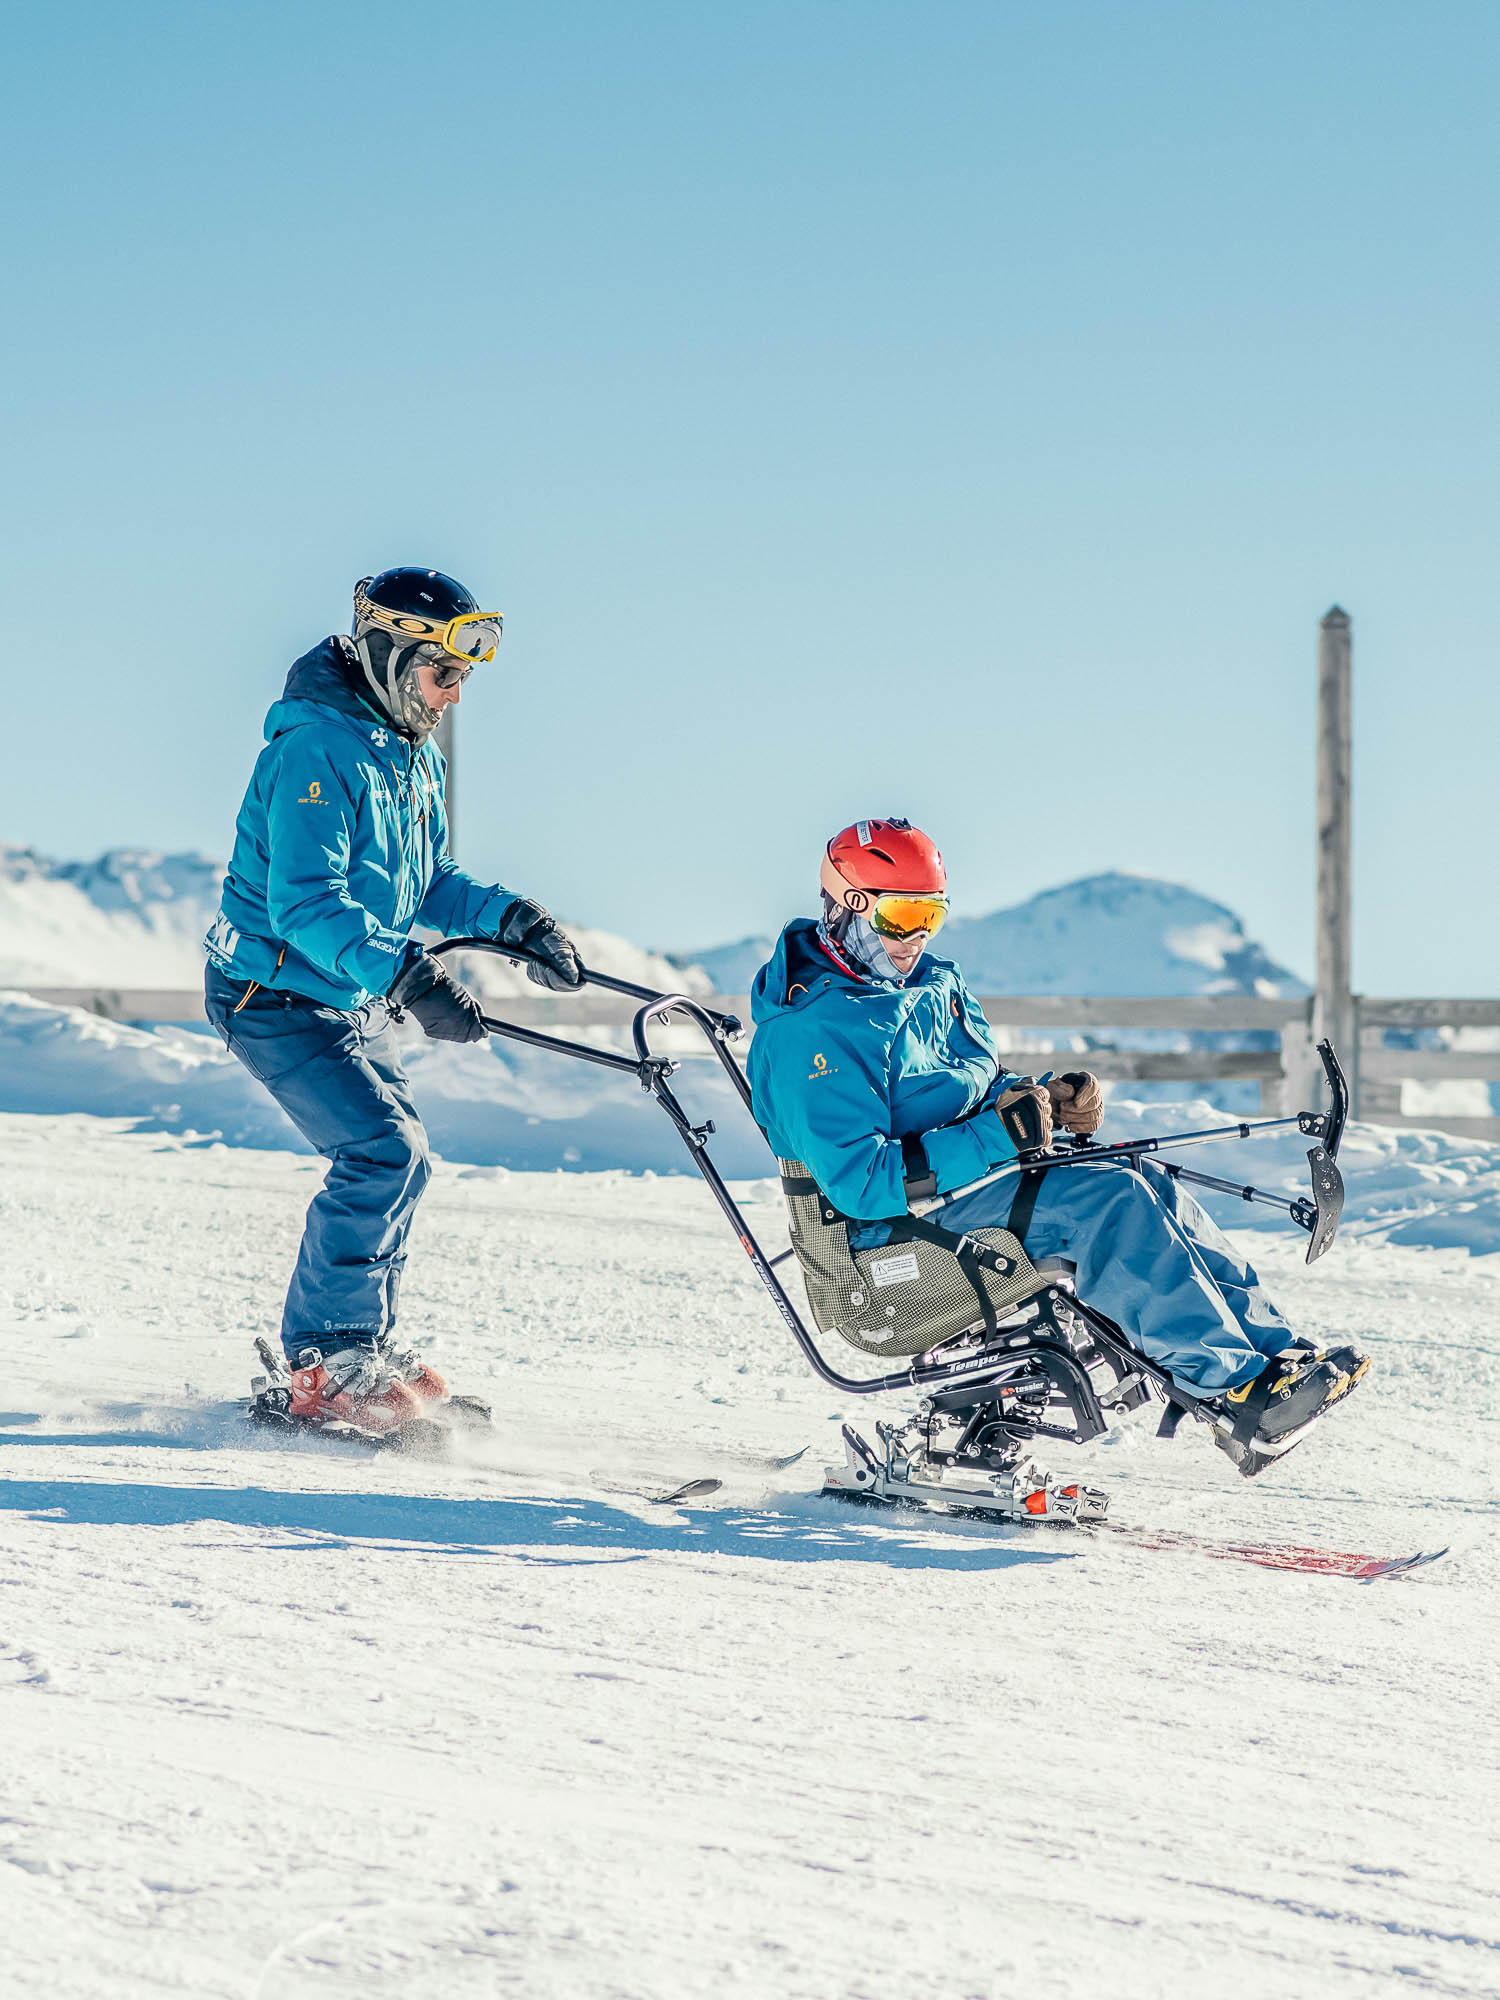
{"points": [[444, 1010], [1025, 1110], [527, 924]]}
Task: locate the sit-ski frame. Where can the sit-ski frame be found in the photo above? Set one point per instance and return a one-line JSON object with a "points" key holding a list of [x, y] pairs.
{"points": [[982, 1359]]}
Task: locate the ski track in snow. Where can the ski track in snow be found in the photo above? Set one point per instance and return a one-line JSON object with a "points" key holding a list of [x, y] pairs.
{"points": [[277, 1721]]}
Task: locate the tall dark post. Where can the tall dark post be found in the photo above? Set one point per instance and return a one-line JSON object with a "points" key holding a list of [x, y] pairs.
{"points": [[444, 734], [1333, 1013]]}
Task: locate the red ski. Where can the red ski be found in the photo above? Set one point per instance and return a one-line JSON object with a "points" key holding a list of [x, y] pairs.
{"points": [[1276, 1555]]}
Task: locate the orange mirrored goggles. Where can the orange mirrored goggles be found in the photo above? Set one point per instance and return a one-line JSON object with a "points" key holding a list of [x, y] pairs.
{"points": [[903, 916]]}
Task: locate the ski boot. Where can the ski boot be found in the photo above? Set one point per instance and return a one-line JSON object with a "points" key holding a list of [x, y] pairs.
{"points": [[1264, 1418], [408, 1367], [344, 1394], [362, 1393], [350, 1384]]}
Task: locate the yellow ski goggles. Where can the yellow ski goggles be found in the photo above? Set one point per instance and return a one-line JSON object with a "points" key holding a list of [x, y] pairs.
{"points": [[472, 637], [903, 916]]}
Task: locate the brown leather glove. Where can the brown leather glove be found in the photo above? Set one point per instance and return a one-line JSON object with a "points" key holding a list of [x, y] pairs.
{"points": [[1026, 1114], [1077, 1101]]}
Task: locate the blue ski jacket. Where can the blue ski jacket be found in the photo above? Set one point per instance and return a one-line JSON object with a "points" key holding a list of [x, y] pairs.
{"points": [[841, 1069], [340, 847]]}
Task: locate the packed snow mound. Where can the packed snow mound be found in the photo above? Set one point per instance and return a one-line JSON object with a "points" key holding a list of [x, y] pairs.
{"points": [[601, 951], [1115, 933], [134, 918], [498, 1105], [731, 967], [491, 1104], [130, 918]]}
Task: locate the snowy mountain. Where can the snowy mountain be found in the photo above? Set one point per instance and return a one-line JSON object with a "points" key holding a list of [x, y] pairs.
{"points": [[1114, 933], [133, 918]]}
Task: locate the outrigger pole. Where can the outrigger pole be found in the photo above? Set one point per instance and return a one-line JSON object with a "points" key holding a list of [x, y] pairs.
{"points": [[1327, 1127]]}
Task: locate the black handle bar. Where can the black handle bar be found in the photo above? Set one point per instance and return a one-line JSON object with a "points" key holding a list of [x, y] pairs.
{"points": [[723, 1026]]}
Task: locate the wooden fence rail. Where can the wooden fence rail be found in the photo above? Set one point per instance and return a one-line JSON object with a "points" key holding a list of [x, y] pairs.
{"points": [[1287, 1075]]}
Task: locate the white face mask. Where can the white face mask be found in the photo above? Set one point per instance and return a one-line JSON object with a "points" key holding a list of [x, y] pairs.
{"points": [[863, 942], [859, 941]]}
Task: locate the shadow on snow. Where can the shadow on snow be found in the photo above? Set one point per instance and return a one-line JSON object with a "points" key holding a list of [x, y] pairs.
{"points": [[547, 1531]]}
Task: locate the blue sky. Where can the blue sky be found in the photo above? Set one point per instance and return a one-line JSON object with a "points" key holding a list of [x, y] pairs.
{"points": [[964, 409]]}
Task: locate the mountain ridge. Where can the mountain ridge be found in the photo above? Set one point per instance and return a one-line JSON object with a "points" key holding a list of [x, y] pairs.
{"points": [[1113, 933]]}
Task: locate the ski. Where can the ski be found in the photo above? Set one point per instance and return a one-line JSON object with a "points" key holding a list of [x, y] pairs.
{"points": [[690, 1489], [1264, 1555], [755, 1461], [1360, 1568], [422, 1437]]}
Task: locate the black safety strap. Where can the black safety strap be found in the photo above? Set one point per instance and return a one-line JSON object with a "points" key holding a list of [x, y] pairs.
{"points": [[804, 1184], [1023, 1207], [973, 1258], [921, 1177], [1249, 1413]]}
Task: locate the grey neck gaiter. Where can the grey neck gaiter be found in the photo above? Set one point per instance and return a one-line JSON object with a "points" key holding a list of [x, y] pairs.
{"points": [[392, 674], [858, 940]]}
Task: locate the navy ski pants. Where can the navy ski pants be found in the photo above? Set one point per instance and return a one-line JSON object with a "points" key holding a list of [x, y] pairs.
{"points": [[1151, 1260], [338, 1077]]}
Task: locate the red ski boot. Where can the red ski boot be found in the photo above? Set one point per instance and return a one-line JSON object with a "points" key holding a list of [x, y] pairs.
{"points": [[408, 1367], [350, 1385]]}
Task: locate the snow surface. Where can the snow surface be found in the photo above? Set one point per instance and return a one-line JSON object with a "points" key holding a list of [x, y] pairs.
{"points": [[276, 1722]]}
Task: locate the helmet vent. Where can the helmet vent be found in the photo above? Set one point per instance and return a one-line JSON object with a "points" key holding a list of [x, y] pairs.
{"points": [[881, 855]]}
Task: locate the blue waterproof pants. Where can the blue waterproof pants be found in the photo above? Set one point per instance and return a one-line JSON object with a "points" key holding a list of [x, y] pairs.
{"points": [[338, 1077], [1151, 1260]]}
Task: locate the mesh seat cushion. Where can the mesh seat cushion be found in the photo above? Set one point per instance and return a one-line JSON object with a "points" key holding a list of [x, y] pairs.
{"points": [[903, 1297]]}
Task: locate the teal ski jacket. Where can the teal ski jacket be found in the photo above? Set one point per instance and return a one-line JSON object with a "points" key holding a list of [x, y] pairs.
{"points": [[341, 846], [842, 1069]]}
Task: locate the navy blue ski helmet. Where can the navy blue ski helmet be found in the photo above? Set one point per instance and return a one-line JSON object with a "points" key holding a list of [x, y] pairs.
{"points": [[417, 593]]}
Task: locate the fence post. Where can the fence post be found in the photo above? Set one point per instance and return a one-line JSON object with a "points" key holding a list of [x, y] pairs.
{"points": [[1301, 1073], [445, 733], [1333, 1011]]}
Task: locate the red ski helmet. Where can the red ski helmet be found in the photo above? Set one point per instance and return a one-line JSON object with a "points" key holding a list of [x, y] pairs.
{"points": [[890, 872]]}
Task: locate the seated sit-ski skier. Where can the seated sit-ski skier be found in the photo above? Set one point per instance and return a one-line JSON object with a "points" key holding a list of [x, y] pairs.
{"points": [[874, 1066]]}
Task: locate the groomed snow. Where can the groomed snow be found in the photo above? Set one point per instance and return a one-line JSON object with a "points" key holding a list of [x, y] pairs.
{"points": [[278, 1723]]}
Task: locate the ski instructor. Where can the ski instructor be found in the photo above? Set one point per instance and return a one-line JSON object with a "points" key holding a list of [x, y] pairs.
{"points": [[340, 848]]}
